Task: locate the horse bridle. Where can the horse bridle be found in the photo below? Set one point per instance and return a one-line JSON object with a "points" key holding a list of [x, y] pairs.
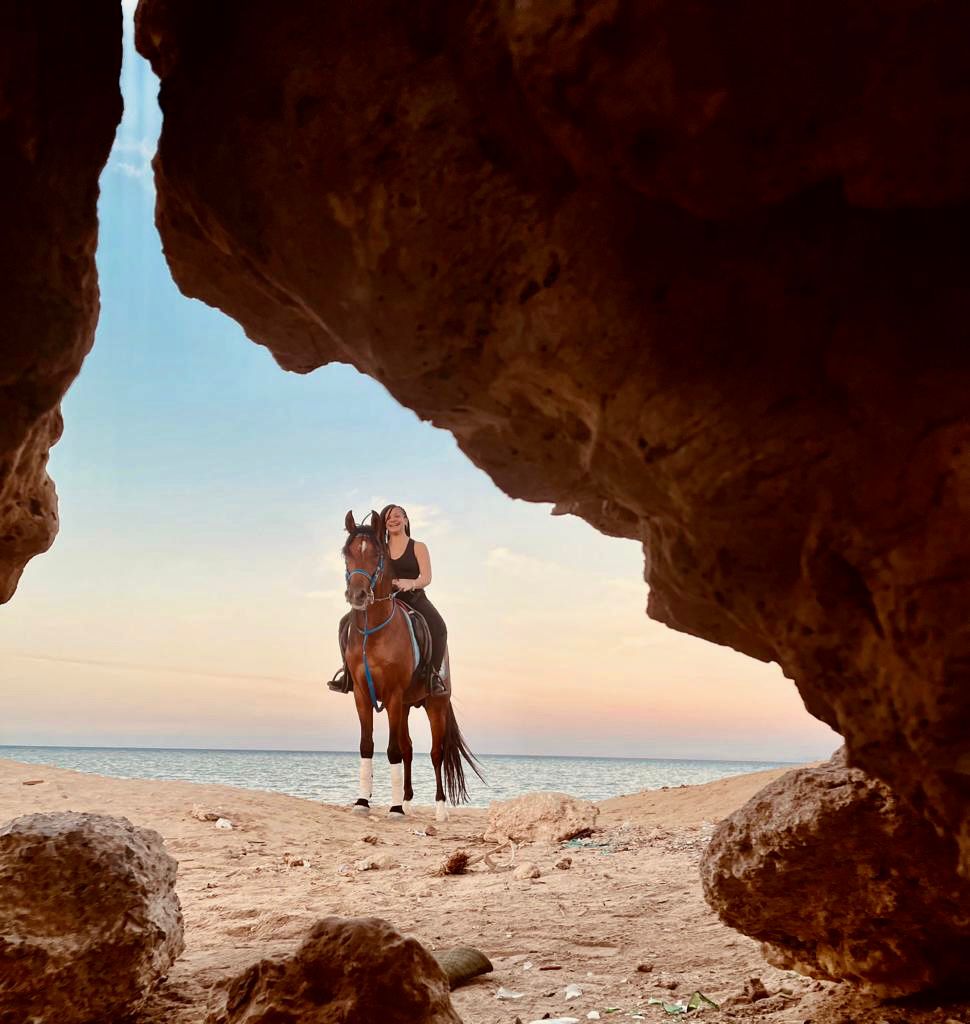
{"points": [[372, 578]]}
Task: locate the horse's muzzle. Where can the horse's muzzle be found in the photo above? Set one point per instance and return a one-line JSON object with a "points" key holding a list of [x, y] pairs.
{"points": [[359, 598]]}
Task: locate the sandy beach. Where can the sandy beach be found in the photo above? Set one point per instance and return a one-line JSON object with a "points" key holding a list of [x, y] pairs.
{"points": [[625, 920]]}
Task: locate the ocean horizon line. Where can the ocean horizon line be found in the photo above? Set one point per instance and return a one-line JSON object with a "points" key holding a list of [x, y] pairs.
{"points": [[354, 753]]}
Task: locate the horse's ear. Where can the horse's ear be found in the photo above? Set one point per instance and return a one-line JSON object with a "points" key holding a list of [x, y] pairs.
{"points": [[375, 522], [349, 522]]}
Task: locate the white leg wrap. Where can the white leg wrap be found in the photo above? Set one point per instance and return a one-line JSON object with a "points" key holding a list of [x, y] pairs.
{"points": [[397, 785], [366, 778], [440, 811]]}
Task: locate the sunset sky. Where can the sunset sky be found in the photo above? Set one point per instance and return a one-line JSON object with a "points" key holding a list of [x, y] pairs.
{"points": [[192, 595]]}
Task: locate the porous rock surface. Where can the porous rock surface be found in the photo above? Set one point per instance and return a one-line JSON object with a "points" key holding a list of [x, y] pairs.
{"points": [[346, 969], [691, 271], [59, 104], [540, 817], [841, 880], [89, 918]]}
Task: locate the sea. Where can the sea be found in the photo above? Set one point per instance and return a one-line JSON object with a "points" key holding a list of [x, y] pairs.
{"points": [[331, 776]]}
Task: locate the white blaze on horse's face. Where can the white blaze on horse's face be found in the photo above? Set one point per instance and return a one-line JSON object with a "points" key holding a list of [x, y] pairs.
{"points": [[362, 558]]}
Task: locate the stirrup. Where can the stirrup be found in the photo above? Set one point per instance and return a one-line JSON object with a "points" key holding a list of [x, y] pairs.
{"points": [[341, 682], [436, 685]]}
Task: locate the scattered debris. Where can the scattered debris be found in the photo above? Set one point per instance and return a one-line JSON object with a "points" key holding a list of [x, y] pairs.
{"points": [[754, 989], [585, 843], [593, 1015], [345, 869], [373, 840], [224, 823], [455, 864], [573, 992], [506, 993], [698, 1001], [565, 864], [294, 861]]}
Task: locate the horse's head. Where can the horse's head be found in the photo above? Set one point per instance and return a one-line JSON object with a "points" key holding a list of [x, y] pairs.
{"points": [[365, 556]]}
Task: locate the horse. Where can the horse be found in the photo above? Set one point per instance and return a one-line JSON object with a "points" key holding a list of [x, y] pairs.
{"points": [[380, 661]]}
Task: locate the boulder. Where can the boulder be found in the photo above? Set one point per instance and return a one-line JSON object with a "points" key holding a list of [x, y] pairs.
{"points": [[841, 880], [89, 919], [540, 817], [345, 969]]}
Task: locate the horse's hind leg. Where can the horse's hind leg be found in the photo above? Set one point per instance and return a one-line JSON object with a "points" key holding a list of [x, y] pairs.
{"points": [[437, 709], [395, 721], [407, 753], [366, 715]]}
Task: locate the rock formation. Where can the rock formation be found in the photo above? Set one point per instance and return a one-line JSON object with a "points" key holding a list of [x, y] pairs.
{"points": [[89, 919], [540, 817], [346, 969], [59, 105], [840, 880], [694, 273]]}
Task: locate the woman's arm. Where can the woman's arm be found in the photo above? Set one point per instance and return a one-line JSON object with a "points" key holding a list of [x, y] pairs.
{"points": [[424, 569]]}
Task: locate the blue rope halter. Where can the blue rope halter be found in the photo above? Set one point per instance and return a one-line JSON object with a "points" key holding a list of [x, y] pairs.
{"points": [[372, 579]]}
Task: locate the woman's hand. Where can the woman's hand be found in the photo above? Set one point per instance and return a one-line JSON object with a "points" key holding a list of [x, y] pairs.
{"points": [[404, 584]]}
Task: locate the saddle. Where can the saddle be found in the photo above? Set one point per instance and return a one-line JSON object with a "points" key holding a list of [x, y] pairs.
{"points": [[418, 688]]}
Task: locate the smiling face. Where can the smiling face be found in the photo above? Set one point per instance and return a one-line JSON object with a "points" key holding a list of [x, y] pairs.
{"points": [[362, 556], [396, 520]]}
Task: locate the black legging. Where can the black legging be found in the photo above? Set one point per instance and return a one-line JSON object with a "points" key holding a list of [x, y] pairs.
{"points": [[418, 600]]}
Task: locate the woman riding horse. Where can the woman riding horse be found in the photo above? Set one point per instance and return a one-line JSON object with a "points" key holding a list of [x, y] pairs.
{"points": [[411, 568], [379, 655]]}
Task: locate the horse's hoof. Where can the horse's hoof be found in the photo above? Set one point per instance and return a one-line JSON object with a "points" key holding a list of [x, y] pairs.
{"points": [[361, 807], [440, 811], [397, 811]]}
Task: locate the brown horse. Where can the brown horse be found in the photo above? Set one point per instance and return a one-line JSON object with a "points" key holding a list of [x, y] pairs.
{"points": [[380, 660]]}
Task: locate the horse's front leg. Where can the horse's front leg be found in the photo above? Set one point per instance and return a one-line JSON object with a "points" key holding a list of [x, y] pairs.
{"points": [[366, 715], [395, 721], [407, 753]]}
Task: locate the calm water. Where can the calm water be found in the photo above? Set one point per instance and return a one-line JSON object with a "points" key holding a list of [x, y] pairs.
{"points": [[332, 776]]}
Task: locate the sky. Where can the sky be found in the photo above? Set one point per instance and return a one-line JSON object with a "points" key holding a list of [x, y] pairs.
{"points": [[192, 595]]}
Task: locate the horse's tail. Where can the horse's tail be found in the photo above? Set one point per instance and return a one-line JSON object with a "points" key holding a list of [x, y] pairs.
{"points": [[455, 748]]}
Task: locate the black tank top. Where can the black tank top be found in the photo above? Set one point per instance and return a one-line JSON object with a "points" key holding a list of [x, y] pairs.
{"points": [[406, 567]]}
